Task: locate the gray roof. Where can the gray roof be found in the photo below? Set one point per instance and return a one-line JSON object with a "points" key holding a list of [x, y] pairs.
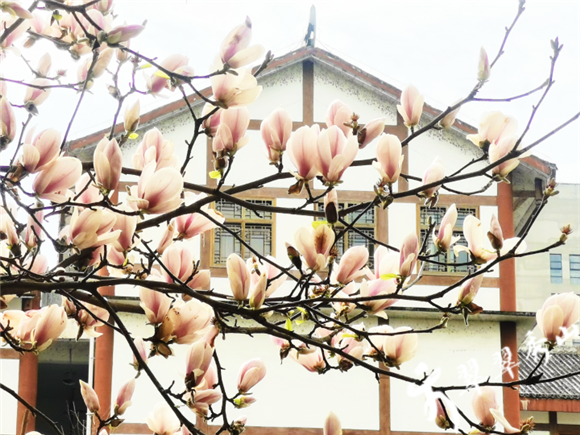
{"points": [[559, 363]]}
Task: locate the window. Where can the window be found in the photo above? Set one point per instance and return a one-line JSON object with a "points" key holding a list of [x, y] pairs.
{"points": [[365, 224], [556, 269], [435, 216], [256, 229], [574, 269]]}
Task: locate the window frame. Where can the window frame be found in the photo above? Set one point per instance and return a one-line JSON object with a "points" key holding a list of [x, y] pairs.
{"points": [[242, 222], [574, 280], [456, 228], [561, 269]]}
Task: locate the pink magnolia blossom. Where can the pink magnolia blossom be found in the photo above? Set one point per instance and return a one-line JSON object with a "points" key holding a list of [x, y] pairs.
{"points": [[500, 149], [252, 372], [50, 325], [507, 427], [370, 132], [124, 33], [239, 277], [197, 361], [302, 147], [339, 114], [104, 6], [39, 265], [469, 290], [155, 304], [269, 270], [127, 225], [90, 397], [483, 400], [61, 174], [492, 127], [231, 133], [14, 9], [376, 340], [16, 33], [409, 255], [190, 225], [445, 238], [184, 322], [231, 90], [166, 239], [434, 173], [276, 130], [235, 49], [378, 287], [211, 123], [88, 322], [132, 117], [7, 122], [351, 264], [158, 191], [8, 229], [315, 245], [199, 401], [108, 162], [124, 395], [158, 81], [180, 262], [154, 148], [162, 420], [400, 348], [495, 234], [258, 292], [483, 70], [558, 313], [311, 361], [90, 193], [411, 106], [332, 425], [44, 150], [33, 231], [336, 153], [140, 345], [91, 228], [449, 119], [389, 158], [349, 345]]}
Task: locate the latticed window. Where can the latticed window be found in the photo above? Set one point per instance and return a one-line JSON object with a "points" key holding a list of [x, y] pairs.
{"points": [[256, 229], [365, 225], [435, 216], [556, 269], [574, 269]]}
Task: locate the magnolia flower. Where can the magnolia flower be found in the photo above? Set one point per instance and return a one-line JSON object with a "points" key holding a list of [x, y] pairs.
{"points": [[495, 234], [483, 400], [89, 321], [91, 228], [158, 191], [409, 255], [346, 342], [154, 149], [449, 119], [7, 122], [434, 173], [86, 191], [124, 395], [131, 119], [252, 372], [335, 154], [244, 401], [302, 147], [376, 340], [411, 106], [331, 207], [400, 348], [311, 361], [230, 136], [127, 225], [90, 397], [231, 90], [184, 322], [175, 63], [339, 114], [500, 149], [197, 362], [180, 263], [258, 292], [315, 245], [332, 425], [274, 275], [162, 420], [49, 324], [239, 277], [445, 238], [351, 264], [276, 130], [558, 313], [473, 233], [188, 226], [16, 33], [166, 239], [199, 401], [108, 162], [155, 304], [123, 33], [14, 9], [43, 151], [234, 49], [140, 345], [370, 132], [483, 70], [8, 229], [492, 127], [212, 122], [507, 427], [378, 287], [389, 158], [469, 290], [99, 67], [33, 231], [61, 174]]}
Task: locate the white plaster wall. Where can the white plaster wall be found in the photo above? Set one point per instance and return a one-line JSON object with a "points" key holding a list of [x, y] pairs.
{"points": [[454, 153], [539, 416], [402, 222], [463, 346], [488, 298], [568, 418], [8, 405]]}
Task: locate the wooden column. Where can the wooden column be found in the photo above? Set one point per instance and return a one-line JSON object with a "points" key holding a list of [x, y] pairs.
{"points": [[307, 92], [385, 404]]}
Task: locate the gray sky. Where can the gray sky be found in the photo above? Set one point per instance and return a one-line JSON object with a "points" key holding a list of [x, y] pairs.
{"points": [[432, 44]]}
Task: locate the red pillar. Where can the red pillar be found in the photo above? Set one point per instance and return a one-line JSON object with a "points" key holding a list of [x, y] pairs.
{"points": [[27, 387], [507, 291], [104, 359]]}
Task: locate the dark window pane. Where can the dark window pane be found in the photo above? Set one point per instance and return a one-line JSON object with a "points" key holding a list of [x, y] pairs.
{"points": [[436, 214], [462, 213], [259, 237], [367, 218], [229, 209]]}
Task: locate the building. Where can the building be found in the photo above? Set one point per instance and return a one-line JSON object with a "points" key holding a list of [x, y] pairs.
{"points": [[305, 82]]}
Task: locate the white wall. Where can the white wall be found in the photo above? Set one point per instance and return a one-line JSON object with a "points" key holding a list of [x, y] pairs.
{"points": [[8, 404]]}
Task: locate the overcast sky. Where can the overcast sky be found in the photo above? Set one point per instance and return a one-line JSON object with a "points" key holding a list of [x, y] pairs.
{"points": [[432, 44]]}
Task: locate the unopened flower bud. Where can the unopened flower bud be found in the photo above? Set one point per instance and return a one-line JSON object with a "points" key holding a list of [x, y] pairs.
{"points": [[484, 69], [132, 117]]}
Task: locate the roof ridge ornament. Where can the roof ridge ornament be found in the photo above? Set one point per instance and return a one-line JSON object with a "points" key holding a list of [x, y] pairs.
{"points": [[310, 37]]}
